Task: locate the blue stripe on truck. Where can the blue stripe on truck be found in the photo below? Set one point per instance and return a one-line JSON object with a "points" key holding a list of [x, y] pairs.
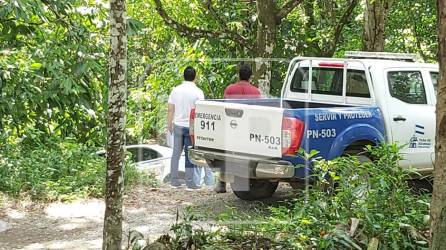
{"points": [[331, 130]]}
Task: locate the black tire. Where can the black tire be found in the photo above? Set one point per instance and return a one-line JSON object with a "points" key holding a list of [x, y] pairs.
{"points": [[252, 189], [421, 186], [299, 185], [363, 158]]}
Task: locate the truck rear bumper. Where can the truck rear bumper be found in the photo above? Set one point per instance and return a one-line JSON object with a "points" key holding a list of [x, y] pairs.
{"points": [[244, 166]]}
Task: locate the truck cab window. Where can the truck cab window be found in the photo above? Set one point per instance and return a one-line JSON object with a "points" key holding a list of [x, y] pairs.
{"points": [[328, 81], [357, 84], [299, 83], [434, 77], [407, 86]]}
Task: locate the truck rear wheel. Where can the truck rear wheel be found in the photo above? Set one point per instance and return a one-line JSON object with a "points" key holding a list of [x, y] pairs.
{"points": [[252, 189]]}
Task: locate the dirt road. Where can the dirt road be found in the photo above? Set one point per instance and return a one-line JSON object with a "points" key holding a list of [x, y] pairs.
{"points": [[78, 225]]}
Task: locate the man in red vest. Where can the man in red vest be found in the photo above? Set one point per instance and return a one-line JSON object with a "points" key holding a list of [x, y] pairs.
{"points": [[242, 89]]}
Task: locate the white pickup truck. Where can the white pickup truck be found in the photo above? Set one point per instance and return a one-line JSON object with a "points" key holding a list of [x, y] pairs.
{"points": [[346, 104]]}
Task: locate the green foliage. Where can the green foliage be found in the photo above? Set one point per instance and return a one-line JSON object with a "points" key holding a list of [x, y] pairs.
{"points": [[373, 193], [411, 28], [53, 64], [307, 31], [56, 170], [369, 202], [52, 68], [185, 236]]}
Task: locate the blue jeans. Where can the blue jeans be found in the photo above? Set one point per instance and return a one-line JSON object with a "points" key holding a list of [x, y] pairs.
{"points": [[208, 176], [181, 140]]}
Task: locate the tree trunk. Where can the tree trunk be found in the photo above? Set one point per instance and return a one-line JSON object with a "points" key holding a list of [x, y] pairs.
{"points": [[117, 96], [438, 206], [265, 43], [374, 23]]}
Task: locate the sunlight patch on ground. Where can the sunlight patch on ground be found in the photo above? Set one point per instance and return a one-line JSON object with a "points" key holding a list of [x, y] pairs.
{"points": [[15, 214], [70, 226], [76, 223], [4, 226], [92, 209], [142, 229], [136, 210], [60, 244], [146, 226]]}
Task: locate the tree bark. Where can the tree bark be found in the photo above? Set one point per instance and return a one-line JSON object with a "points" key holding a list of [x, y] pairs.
{"points": [[438, 205], [117, 103], [374, 24], [265, 43]]}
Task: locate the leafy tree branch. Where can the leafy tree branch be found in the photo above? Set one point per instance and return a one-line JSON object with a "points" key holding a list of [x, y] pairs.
{"points": [[286, 9], [208, 6], [197, 32], [223, 24], [338, 28]]}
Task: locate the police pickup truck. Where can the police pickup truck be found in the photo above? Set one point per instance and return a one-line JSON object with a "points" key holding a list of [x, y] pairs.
{"points": [[334, 106]]}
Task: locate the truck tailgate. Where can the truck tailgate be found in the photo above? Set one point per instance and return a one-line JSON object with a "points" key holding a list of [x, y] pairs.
{"points": [[239, 128]]}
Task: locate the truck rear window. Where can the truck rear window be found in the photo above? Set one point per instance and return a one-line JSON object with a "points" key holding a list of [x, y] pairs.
{"points": [[328, 81]]}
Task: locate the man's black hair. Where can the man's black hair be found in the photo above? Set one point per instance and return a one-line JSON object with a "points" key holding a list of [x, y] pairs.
{"points": [[245, 72], [189, 74]]}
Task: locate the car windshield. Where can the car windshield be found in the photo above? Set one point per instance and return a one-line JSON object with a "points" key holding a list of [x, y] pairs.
{"points": [[143, 154]]}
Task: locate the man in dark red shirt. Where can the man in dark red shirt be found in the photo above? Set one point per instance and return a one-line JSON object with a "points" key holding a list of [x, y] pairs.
{"points": [[242, 89]]}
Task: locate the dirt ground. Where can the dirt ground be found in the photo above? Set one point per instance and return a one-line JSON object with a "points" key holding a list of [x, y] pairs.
{"points": [[78, 225]]}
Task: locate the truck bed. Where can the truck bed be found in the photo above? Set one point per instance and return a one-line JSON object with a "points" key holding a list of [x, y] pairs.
{"points": [[328, 128]]}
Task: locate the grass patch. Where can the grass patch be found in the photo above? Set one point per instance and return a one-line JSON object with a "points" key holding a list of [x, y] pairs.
{"points": [[57, 170]]}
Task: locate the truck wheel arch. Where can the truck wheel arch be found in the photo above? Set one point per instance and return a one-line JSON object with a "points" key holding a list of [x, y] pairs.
{"points": [[355, 137]]}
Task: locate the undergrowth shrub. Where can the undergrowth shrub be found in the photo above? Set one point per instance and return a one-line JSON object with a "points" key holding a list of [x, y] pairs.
{"points": [[370, 204], [363, 204], [55, 170]]}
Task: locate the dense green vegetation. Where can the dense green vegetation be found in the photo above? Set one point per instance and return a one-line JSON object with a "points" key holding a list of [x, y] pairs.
{"points": [[53, 57], [53, 88], [367, 203], [52, 70], [56, 170]]}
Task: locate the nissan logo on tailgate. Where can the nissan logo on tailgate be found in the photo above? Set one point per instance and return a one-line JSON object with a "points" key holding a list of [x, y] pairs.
{"points": [[233, 124], [234, 112]]}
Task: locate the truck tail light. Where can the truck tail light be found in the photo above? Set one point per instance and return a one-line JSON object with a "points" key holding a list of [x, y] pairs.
{"points": [[191, 125], [292, 133]]}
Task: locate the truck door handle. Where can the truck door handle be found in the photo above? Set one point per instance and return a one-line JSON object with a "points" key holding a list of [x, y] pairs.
{"points": [[399, 118]]}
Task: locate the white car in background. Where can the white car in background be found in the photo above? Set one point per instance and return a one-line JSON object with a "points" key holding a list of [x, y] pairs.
{"points": [[153, 159]]}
